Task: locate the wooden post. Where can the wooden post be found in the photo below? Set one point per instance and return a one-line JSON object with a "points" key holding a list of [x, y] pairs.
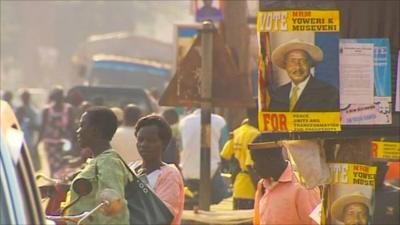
{"points": [[206, 95], [236, 32]]}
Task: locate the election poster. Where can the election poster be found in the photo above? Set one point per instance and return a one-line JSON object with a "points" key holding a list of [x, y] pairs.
{"points": [[365, 81], [386, 150], [298, 67], [351, 188], [185, 34]]}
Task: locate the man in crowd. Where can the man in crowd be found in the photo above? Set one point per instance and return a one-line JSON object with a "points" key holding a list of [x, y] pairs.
{"points": [[57, 129], [105, 170], [190, 129], [8, 97], [280, 198], [304, 93], [124, 140], [244, 186], [28, 119], [174, 148]]}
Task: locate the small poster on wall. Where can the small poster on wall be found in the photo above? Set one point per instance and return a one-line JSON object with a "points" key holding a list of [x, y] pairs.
{"points": [[365, 82]]}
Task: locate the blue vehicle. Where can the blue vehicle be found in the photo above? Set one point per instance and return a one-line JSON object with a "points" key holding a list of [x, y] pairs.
{"points": [[20, 201], [124, 59], [120, 71]]}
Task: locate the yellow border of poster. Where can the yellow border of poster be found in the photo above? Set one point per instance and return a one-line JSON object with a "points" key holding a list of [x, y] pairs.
{"points": [[292, 21], [345, 173], [299, 20], [386, 150], [299, 121]]}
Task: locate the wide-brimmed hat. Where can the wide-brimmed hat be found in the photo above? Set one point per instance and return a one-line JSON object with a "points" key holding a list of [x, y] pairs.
{"points": [[340, 203], [279, 53]]}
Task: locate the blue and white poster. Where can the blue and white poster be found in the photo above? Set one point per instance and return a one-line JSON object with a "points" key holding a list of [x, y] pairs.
{"points": [[184, 36], [379, 111]]}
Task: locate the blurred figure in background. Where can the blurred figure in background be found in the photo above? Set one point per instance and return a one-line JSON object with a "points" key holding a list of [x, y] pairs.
{"points": [[28, 119], [124, 140], [119, 113], [57, 129], [154, 95], [171, 154], [85, 105], [98, 101], [8, 97], [245, 182], [190, 127], [75, 99]]}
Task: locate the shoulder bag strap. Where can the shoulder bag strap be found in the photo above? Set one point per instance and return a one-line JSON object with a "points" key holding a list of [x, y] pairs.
{"points": [[127, 167]]}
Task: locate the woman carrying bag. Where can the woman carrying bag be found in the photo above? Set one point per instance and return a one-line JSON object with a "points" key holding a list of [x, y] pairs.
{"points": [[153, 136]]}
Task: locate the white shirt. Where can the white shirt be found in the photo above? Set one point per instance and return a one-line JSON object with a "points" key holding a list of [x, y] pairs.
{"points": [[300, 87], [151, 178], [124, 143], [190, 134]]}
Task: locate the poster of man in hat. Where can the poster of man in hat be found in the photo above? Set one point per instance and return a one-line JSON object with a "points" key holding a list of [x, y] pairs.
{"points": [[352, 208], [348, 199], [299, 70], [304, 92]]}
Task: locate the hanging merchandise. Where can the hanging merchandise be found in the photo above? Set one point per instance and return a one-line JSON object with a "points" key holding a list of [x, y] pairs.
{"points": [[309, 160]]}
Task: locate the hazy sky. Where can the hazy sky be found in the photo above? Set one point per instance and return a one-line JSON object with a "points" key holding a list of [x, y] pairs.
{"points": [[53, 30]]}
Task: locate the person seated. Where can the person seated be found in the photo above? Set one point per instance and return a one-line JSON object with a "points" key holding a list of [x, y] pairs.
{"points": [[104, 170]]}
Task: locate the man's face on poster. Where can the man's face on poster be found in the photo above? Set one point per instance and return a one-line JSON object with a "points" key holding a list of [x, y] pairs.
{"points": [[355, 214], [298, 65]]}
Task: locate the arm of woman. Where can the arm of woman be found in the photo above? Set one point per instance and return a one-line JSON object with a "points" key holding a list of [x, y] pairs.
{"points": [[169, 188]]}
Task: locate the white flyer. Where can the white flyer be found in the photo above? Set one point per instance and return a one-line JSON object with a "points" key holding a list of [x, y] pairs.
{"points": [[356, 64]]}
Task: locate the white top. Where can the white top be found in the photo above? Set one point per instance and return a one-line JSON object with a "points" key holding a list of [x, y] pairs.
{"points": [[124, 143], [190, 134], [151, 178], [300, 87]]}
